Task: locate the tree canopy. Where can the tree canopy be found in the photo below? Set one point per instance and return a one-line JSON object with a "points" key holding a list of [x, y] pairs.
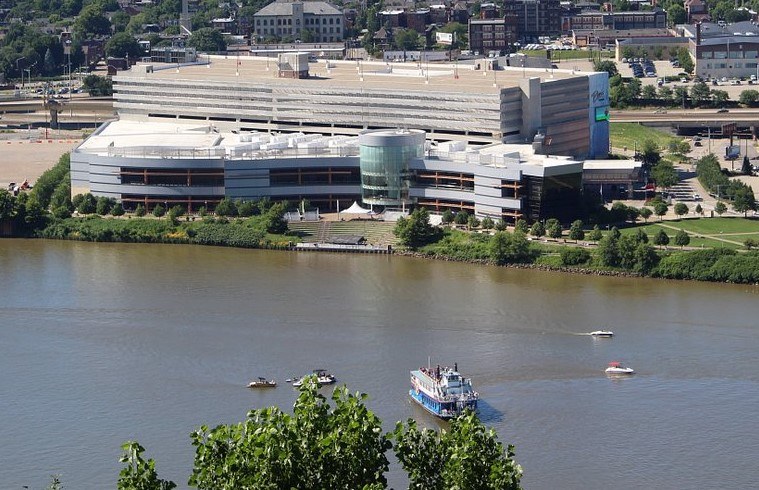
{"points": [[468, 455], [207, 39], [123, 45], [318, 446], [341, 447], [416, 230], [92, 22]]}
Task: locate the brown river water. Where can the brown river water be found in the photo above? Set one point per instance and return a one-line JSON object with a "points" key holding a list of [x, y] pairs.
{"points": [[102, 343]]}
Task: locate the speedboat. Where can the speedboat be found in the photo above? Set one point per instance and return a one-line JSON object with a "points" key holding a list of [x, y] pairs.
{"points": [[443, 392], [602, 333], [616, 367], [262, 383]]}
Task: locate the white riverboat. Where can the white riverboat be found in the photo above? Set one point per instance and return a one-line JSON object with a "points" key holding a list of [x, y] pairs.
{"points": [[444, 392]]}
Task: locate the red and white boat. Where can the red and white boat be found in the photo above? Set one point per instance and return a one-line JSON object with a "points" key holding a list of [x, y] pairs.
{"points": [[616, 368]]}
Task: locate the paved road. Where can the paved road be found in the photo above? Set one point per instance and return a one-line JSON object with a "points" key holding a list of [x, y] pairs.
{"points": [[83, 110], [686, 116]]}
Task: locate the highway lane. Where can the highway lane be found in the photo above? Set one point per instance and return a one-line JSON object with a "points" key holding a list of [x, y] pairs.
{"points": [[686, 116], [89, 104]]}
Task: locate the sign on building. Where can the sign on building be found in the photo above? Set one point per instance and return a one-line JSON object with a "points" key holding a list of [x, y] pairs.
{"points": [[446, 38]]}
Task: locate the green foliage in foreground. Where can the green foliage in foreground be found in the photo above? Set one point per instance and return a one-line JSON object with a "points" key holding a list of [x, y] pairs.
{"points": [[466, 456], [333, 447], [138, 473]]}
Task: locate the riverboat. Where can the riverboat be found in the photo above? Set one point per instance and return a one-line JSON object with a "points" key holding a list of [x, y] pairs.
{"points": [[616, 368], [262, 383], [444, 392]]}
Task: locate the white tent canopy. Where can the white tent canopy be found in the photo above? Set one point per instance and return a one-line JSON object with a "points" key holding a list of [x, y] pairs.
{"points": [[356, 209]]}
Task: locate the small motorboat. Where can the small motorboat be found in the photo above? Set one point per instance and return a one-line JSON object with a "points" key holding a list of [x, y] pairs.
{"points": [[322, 378], [602, 333], [262, 383], [616, 368]]}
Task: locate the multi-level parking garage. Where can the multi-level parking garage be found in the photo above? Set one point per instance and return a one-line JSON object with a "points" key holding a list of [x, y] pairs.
{"points": [[447, 101]]}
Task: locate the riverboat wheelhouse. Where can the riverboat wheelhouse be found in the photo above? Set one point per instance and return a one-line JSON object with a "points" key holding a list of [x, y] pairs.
{"points": [[444, 392]]}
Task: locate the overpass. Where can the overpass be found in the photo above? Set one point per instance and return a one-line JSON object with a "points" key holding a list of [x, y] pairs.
{"points": [[79, 110], [689, 120]]}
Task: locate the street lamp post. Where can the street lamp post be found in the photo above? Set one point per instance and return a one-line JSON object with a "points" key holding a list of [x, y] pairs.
{"points": [[22, 71]]}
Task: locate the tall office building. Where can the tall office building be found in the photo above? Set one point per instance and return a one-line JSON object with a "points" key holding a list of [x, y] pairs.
{"points": [[535, 17]]}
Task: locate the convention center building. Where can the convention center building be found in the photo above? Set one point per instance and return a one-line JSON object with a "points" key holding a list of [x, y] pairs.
{"points": [[503, 142]]}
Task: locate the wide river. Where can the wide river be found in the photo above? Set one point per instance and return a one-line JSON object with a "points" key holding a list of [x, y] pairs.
{"points": [[102, 343]]}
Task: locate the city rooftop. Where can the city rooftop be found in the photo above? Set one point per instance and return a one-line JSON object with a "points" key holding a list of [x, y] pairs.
{"points": [[409, 76]]}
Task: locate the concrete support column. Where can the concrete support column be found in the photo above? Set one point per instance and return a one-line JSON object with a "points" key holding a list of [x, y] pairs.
{"points": [[532, 118]]}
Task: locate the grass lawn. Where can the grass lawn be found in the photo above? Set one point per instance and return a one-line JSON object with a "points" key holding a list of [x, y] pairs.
{"points": [[715, 226], [726, 232], [630, 134]]}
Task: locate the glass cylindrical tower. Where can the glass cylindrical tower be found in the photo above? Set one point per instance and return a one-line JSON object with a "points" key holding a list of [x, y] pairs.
{"points": [[385, 155]]}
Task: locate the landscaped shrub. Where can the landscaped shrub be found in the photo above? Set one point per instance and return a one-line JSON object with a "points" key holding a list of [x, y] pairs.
{"points": [[574, 256]]}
